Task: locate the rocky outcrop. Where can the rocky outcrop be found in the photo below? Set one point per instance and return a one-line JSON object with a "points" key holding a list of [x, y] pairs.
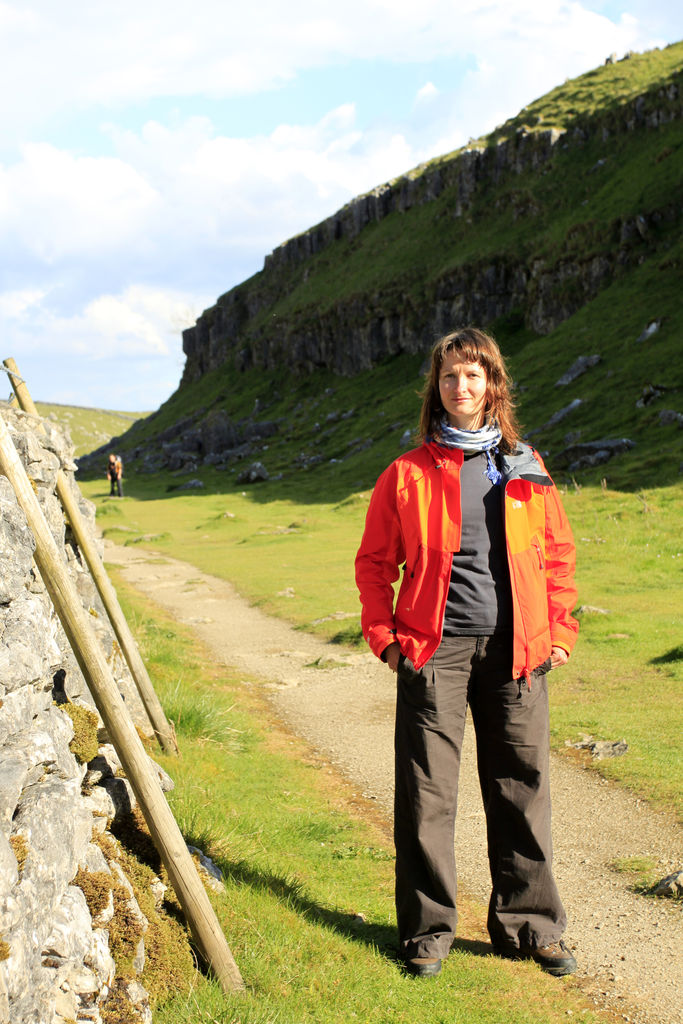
{"points": [[211, 439], [354, 333], [61, 785]]}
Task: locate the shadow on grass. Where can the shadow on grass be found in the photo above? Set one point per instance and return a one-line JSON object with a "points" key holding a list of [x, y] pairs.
{"points": [[382, 938], [132, 833], [668, 658], [291, 893]]}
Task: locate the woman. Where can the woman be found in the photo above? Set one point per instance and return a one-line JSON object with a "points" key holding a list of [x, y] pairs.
{"points": [[483, 612]]}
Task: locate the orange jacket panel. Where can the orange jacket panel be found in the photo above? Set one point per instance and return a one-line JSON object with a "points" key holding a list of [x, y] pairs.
{"points": [[414, 521]]}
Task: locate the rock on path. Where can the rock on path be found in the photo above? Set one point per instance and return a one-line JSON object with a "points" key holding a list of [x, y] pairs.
{"points": [[628, 947]]}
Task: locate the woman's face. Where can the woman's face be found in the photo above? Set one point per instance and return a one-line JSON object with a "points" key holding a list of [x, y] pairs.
{"points": [[464, 391]]}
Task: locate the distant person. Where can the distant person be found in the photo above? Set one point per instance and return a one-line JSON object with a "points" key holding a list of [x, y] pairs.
{"points": [[482, 614], [114, 475]]}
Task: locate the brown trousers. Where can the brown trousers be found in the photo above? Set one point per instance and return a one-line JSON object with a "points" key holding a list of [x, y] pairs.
{"points": [[512, 732]]}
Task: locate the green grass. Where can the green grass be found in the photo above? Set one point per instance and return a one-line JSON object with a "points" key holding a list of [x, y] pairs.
{"points": [[89, 428], [605, 88], [625, 679], [643, 872], [308, 905]]}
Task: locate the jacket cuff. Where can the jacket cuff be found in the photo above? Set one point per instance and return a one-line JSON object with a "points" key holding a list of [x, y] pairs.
{"points": [[565, 639], [379, 638]]}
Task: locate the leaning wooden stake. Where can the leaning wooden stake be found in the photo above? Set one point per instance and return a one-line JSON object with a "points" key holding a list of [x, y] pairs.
{"points": [[163, 730], [139, 770]]}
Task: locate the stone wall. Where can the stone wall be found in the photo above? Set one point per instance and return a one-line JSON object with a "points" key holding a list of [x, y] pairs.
{"points": [[57, 797]]}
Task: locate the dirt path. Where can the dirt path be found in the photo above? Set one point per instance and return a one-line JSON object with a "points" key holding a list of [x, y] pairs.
{"points": [[628, 947]]}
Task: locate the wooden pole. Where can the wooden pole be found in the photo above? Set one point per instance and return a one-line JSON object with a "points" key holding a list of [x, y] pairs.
{"points": [[164, 732], [139, 770]]}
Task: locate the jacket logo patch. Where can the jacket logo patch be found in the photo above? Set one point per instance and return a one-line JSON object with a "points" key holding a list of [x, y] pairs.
{"points": [[516, 504]]}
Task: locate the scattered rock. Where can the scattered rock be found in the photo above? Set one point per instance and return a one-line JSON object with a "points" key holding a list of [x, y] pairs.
{"points": [[191, 485], [651, 329], [649, 394], [253, 474], [208, 872], [592, 453], [591, 609], [577, 368], [669, 416], [601, 749], [558, 416], [672, 885]]}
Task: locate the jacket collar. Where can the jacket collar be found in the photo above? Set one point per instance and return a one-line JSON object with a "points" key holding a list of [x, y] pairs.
{"points": [[523, 465], [441, 454], [520, 465]]}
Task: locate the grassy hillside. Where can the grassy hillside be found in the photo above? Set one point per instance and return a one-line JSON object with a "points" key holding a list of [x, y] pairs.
{"points": [[89, 428], [601, 218], [338, 433], [605, 171]]}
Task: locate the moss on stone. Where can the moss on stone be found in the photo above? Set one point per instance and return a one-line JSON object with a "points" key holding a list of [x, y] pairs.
{"points": [[20, 848], [118, 1008], [169, 959], [85, 744], [96, 887], [125, 931], [4, 949]]}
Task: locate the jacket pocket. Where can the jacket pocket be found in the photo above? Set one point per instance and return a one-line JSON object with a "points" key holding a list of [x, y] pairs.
{"points": [[536, 544], [413, 575]]}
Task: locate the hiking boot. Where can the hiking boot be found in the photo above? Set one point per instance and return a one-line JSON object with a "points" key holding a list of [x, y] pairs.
{"points": [[423, 966], [554, 958]]}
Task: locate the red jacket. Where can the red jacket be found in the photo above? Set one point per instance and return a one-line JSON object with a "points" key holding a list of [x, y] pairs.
{"points": [[414, 520]]}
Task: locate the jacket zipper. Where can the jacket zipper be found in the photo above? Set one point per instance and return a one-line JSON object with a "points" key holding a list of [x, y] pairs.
{"points": [[526, 674], [541, 562]]}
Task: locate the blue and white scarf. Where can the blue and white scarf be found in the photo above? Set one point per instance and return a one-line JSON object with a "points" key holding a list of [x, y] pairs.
{"points": [[486, 439]]}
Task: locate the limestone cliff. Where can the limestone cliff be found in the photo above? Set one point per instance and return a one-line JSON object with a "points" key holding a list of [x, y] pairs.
{"points": [[509, 185]]}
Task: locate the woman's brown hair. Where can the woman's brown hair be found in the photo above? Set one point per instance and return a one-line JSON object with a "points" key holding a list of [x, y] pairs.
{"points": [[472, 346]]}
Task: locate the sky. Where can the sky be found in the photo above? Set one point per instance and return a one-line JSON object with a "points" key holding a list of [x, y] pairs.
{"points": [[152, 154]]}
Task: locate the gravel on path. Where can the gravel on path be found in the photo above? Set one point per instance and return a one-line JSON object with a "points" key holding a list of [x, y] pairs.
{"points": [[342, 702]]}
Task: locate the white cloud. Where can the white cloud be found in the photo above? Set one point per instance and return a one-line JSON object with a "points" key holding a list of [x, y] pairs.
{"points": [[57, 59], [16, 304], [109, 251], [257, 191], [54, 204], [427, 93], [137, 323]]}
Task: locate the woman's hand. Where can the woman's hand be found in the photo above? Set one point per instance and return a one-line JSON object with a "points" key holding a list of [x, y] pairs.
{"points": [[392, 653], [558, 656]]}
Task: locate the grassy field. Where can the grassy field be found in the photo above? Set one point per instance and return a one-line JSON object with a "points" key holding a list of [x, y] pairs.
{"points": [[295, 560], [88, 428], [308, 903]]}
